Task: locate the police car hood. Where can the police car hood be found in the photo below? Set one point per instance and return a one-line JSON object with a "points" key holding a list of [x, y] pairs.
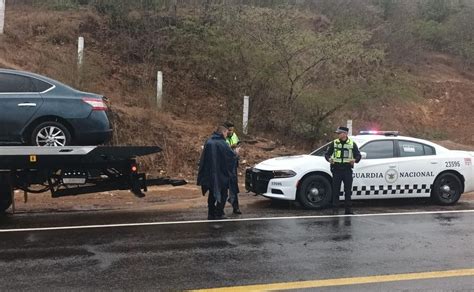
{"points": [[290, 162]]}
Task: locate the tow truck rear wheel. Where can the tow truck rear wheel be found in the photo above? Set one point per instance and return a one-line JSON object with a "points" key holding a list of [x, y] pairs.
{"points": [[447, 189], [315, 192], [5, 197]]}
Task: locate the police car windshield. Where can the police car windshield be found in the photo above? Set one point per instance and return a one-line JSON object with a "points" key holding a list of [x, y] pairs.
{"points": [[322, 150]]}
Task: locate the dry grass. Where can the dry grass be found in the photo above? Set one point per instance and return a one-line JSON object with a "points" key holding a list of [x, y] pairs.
{"points": [[44, 42], [180, 142]]}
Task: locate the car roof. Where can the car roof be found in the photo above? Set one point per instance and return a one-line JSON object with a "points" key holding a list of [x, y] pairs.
{"points": [[40, 77], [363, 139]]}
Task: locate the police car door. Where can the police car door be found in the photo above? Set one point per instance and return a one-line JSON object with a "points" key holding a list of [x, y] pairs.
{"points": [[417, 167], [376, 174]]}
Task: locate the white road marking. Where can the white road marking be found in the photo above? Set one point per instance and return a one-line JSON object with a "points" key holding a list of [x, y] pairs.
{"points": [[227, 220]]}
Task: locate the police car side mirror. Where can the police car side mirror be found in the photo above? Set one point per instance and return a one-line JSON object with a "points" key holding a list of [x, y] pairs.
{"points": [[363, 155]]}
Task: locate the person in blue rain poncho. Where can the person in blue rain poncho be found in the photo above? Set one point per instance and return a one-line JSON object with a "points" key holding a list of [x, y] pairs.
{"points": [[216, 171]]}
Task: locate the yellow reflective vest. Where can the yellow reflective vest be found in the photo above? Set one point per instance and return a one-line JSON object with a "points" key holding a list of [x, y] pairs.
{"points": [[232, 140], [343, 152]]}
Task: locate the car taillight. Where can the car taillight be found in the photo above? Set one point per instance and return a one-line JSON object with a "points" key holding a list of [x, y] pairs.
{"points": [[97, 104]]}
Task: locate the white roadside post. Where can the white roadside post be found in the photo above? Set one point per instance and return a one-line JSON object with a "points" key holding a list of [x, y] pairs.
{"points": [[2, 15], [349, 126], [159, 89], [245, 123], [80, 51], [80, 60]]}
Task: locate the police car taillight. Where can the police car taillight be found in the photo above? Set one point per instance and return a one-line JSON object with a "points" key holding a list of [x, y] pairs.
{"points": [[383, 133]]}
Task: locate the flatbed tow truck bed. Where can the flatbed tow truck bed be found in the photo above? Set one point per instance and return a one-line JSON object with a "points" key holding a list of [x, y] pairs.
{"points": [[75, 170]]}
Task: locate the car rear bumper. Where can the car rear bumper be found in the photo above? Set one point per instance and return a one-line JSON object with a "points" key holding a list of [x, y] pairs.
{"points": [[93, 130]]}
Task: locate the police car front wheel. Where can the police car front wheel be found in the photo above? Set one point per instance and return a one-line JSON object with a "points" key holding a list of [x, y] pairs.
{"points": [[315, 192], [447, 189]]}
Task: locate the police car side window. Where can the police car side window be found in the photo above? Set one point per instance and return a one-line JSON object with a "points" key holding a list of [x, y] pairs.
{"points": [[429, 150], [379, 149], [408, 149]]}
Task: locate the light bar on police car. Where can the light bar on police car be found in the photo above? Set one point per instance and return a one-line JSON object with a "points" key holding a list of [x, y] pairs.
{"points": [[383, 133]]}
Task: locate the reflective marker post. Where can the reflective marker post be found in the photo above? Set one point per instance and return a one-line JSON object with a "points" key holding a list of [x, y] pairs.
{"points": [[80, 51], [159, 89], [245, 123], [349, 126], [2, 15]]}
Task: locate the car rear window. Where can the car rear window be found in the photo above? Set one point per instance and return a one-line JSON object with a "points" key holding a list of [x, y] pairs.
{"points": [[429, 150], [41, 86], [16, 83]]}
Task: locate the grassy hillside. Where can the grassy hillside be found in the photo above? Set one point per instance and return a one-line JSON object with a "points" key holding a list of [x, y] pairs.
{"points": [[307, 65]]}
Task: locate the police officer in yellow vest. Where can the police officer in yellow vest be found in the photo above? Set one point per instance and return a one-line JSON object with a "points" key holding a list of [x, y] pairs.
{"points": [[233, 141], [342, 154]]}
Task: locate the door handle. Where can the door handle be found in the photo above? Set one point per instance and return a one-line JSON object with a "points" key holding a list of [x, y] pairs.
{"points": [[27, 104], [434, 162]]}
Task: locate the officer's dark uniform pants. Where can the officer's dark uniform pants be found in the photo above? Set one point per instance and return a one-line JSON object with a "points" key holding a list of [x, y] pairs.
{"points": [[216, 209], [234, 196], [339, 175], [234, 189]]}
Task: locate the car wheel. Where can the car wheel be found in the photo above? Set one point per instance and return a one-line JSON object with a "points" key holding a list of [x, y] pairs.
{"points": [[447, 189], [315, 192], [50, 134], [5, 197]]}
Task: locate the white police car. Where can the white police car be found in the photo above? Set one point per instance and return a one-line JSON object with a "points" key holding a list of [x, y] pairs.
{"points": [[392, 166]]}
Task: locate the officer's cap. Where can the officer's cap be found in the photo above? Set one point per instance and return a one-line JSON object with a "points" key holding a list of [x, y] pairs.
{"points": [[342, 130]]}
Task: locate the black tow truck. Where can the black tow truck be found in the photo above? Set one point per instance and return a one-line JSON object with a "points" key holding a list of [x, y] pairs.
{"points": [[75, 170]]}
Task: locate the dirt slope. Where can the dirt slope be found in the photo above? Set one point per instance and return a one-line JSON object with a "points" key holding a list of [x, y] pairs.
{"points": [[445, 110], [45, 42]]}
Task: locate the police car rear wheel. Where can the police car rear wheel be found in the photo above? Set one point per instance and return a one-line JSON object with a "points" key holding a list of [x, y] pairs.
{"points": [[5, 197], [447, 189], [315, 192]]}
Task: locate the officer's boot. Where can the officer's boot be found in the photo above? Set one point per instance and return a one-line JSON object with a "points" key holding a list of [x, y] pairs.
{"points": [[348, 208], [335, 207]]}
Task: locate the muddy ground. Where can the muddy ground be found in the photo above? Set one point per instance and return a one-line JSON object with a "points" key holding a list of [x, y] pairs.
{"points": [[187, 203]]}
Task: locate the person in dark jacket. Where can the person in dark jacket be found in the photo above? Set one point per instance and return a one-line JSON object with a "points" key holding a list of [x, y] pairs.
{"points": [[216, 171], [342, 153]]}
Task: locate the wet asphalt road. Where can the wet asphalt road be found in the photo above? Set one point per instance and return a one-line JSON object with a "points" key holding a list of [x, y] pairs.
{"points": [[219, 254]]}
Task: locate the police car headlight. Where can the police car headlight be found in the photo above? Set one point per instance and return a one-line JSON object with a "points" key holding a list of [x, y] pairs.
{"points": [[283, 173]]}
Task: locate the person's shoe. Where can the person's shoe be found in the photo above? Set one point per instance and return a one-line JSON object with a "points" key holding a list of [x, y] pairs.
{"points": [[209, 217], [349, 212], [237, 211], [220, 217]]}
